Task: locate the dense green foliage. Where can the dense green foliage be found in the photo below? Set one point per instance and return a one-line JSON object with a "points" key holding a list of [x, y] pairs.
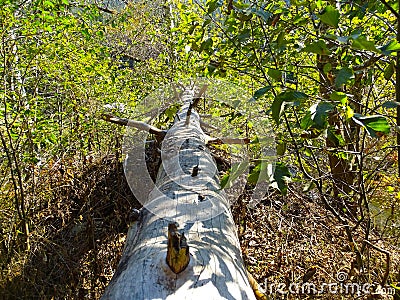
{"points": [[323, 72]]}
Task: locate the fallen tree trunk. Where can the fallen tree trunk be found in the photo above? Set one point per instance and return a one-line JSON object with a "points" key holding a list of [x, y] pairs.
{"points": [[204, 258]]}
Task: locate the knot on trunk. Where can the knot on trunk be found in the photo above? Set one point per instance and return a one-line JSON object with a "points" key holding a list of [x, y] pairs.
{"points": [[178, 250]]}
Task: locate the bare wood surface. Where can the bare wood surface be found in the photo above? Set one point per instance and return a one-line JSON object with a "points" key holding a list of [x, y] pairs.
{"points": [[188, 191]]}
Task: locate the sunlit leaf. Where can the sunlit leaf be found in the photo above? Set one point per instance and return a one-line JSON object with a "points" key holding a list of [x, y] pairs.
{"points": [[275, 74], [317, 116], [393, 46], [287, 96], [261, 92], [349, 112], [363, 43], [330, 16], [375, 125], [318, 47], [338, 96], [281, 177]]}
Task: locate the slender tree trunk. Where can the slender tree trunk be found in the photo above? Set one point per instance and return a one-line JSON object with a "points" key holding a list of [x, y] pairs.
{"points": [[187, 188], [341, 169]]}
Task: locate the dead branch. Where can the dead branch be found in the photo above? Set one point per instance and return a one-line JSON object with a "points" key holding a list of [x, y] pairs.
{"points": [[227, 140], [136, 124]]}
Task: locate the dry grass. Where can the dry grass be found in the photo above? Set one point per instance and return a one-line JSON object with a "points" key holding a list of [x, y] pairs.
{"points": [[287, 239]]}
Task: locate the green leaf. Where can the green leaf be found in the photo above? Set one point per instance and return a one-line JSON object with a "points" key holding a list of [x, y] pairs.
{"points": [[261, 92], [253, 176], [317, 116], [48, 4], [207, 44], [343, 76], [309, 186], [244, 36], [234, 172], [260, 173], [334, 137], [391, 104], [393, 46], [307, 121], [280, 40], [280, 148], [330, 16], [375, 125], [290, 96], [170, 112], [206, 22], [277, 109], [287, 96], [349, 112], [243, 17], [321, 114], [327, 67], [389, 71], [224, 181], [318, 47], [275, 74], [213, 5], [281, 177], [362, 43], [338, 96], [264, 15]]}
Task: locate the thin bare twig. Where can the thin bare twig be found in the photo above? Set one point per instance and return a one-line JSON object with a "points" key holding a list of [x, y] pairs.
{"points": [[387, 253]]}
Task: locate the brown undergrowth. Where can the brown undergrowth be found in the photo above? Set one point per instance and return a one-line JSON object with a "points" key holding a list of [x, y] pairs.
{"points": [[79, 232], [297, 250], [77, 238]]}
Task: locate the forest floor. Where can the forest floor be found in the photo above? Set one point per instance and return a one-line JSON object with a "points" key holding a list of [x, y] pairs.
{"points": [[79, 234]]}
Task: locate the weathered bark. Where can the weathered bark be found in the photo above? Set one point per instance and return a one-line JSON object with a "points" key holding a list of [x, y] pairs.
{"points": [[188, 189]]}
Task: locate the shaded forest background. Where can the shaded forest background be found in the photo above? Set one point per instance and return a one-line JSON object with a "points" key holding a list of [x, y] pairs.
{"points": [[325, 72]]}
